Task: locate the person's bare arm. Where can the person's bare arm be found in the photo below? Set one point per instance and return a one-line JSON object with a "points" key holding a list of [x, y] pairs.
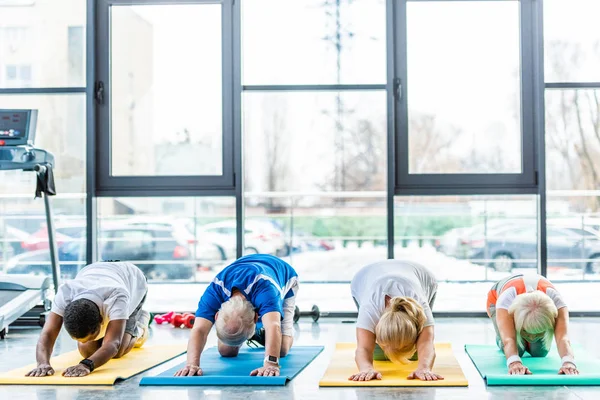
{"points": [[563, 344], [196, 344], [426, 352], [45, 346], [109, 349], [508, 335], [365, 346], [272, 324]]}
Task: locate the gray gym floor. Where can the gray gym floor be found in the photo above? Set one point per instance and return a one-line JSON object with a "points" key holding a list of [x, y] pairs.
{"points": [[19, 348]]}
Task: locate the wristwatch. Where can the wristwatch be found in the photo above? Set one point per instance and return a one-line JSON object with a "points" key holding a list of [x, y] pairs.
{"points": [[272, 360], [88, 363]]}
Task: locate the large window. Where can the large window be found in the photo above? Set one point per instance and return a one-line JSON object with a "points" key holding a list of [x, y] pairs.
{"points": [[464, 100], [464, 97], [313, 42], [572, 101], [290, 114], [40, 53], [180, 239], [36, 46], [468, 238], [314, 130], [571, 41], [165, 119], [166, 109]]}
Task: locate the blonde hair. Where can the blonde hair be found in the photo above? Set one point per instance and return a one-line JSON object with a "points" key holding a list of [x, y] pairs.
{"points": [[235, 323], [534, 313], [399, 327]]}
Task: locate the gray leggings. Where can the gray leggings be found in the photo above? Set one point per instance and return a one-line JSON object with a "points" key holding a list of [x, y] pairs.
{"points": [[535, 349]]}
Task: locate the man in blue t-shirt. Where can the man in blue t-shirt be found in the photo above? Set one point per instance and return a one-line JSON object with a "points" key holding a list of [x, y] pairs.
{"points": [[256, 287]]}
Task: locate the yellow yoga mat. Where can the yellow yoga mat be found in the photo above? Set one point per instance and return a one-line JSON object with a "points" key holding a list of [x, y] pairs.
{"points": [[133, 363], [342, 366]]}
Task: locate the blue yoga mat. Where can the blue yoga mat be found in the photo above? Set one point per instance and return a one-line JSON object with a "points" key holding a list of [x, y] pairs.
{"points": [[220, 371]]}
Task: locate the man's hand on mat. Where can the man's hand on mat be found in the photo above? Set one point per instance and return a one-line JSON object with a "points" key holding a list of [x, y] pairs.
{"points": [[76, 371], [41, 370], [425, 374], [568, 369], [269, 370], [366, 376], [517, 368], [189, 370]]}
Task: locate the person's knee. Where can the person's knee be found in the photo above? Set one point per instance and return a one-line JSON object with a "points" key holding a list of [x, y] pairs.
{"points": [[538, 351], [499, 343], [85, 352], [87, 349], [126, 345], [122, 351]]}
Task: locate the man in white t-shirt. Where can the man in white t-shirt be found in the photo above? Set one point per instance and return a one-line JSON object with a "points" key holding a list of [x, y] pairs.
{"points": [[102, 310]]}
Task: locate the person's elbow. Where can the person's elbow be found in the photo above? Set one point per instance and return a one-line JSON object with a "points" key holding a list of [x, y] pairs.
{"points": [[564, 339], [507, 342], [113, 348], [273, 327], [360, 353]]}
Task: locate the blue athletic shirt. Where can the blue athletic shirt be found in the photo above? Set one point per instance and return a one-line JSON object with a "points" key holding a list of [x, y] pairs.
{"points": [[265, 281]]}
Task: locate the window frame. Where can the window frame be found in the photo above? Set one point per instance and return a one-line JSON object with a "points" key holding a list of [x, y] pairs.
{"points": [[526, 182], [108, 185]]}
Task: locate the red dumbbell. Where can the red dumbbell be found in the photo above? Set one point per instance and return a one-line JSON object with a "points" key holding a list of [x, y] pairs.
{"points": [[165, 318], [183, 320]]}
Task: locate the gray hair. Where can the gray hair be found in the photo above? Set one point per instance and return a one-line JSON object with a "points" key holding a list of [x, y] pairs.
{"points": [[235, 323], [534, 313]]}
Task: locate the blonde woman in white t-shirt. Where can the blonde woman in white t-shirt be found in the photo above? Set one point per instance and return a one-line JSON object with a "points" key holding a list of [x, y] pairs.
{"points": [[395, 322], [527, 312]]}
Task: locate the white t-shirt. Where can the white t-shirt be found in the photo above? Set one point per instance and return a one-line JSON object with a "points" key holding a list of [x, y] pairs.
{"points": [[391, 278], [117, 288]]}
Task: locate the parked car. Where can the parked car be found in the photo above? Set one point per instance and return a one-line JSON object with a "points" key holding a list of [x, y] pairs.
{"points": [[457, 242], [303, 241], [204, 247], [65, 232], [154, 249], [11, 240], [260, 237], [506, 248]]}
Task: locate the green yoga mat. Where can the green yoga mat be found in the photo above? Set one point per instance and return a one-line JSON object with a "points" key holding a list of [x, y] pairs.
{"points": [[491, 364]]}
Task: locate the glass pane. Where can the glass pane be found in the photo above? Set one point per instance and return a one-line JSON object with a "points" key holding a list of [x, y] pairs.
{"points": [[61, 131], [24, 235], [326, 237], [313, 42], [168, 238], [166, 96], [573, 141], [574, 249], [571, 40], [41, 45], [315, 141], [468, 242], [464, 87], [572, 164]]}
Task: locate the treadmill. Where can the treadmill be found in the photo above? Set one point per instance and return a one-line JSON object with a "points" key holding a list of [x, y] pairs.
{"points": [[24, 299]]}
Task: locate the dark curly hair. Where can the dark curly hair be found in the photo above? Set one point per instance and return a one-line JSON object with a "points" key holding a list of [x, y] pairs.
{"points": [[82, 318]]}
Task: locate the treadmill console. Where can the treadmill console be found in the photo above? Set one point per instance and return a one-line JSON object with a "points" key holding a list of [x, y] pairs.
{"points": [[17, 135], [17, 127]]}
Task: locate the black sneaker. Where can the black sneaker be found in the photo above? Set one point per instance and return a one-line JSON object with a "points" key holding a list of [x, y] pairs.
{"points": [[258, 339]]}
